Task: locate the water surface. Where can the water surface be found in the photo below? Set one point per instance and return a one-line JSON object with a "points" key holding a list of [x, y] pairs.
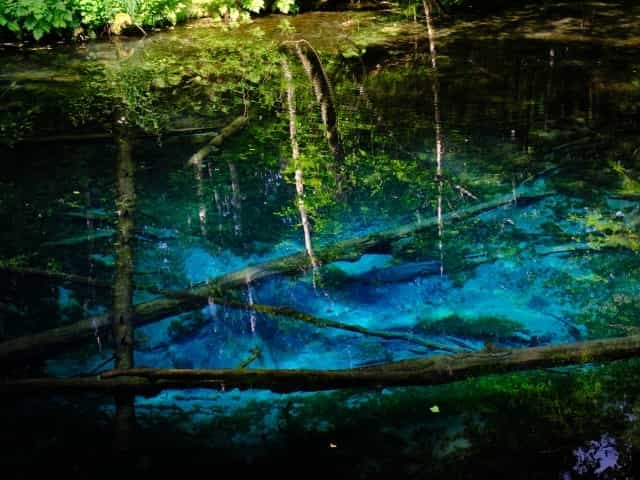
{"points": [[399, 120]]}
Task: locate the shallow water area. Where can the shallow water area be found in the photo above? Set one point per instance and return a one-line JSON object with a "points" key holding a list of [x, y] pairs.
{"points": [[328, 191]]}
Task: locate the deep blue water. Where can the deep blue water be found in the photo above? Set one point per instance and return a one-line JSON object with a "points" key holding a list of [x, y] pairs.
{"points": [[534, 101]]}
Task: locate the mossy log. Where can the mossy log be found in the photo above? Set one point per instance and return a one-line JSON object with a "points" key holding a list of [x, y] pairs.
{"points": [[123, 277], [264, 309], [51, 341], [84, 238], [59, 277], [414, 372]]}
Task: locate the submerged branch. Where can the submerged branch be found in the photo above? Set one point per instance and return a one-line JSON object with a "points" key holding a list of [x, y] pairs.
{"points": [[265, 309], [255, 354], [56, 276], [45, 343], [415, 372], [325, 323], [78, 239]]}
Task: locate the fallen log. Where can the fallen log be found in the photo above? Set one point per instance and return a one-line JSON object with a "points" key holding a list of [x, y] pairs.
{"points": [[414, 372], [61, 277], [265, 309], [352, 249], [51, 341], [78, 239]]}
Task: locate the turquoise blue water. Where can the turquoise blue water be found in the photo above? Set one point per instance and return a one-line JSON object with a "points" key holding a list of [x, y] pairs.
{"points": [[533, 101]]}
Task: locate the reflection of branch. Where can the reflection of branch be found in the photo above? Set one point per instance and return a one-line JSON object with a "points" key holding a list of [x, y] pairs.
{"points": [[436, 370], [438, 126], [234, 127], [295, 155], [322, 89], [197, 132]]}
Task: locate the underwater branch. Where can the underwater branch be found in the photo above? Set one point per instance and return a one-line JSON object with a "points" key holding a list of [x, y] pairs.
{"points": [[52, 341]]}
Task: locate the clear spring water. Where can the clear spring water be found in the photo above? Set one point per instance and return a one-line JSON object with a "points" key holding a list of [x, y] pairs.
{"points": [[402, 121]]}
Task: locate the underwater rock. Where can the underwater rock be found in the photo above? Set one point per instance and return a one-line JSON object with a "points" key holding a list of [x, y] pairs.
{"points": [[537, 302], [399, 273]]}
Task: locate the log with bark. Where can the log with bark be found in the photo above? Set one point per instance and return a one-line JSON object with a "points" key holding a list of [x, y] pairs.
{"points": [[84, 238], [273, 311], [54, 340], [434, 370]]}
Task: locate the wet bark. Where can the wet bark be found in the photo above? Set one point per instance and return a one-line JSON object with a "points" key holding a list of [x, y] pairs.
{"points": [[414, 372]]}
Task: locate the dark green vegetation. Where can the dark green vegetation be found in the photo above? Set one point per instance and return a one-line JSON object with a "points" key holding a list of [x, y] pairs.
{"points": [[84, 19], [532, 425], [327, 191]]}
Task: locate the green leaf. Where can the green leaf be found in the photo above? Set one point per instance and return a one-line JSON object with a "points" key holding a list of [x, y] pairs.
{"points": [[435, 409]]}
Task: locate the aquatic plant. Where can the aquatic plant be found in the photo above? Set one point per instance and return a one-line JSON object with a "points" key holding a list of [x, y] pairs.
{"points": [[614, 316], [37, 18], [487, 328]]}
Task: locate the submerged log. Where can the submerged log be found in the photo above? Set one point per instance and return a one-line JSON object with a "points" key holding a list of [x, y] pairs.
{"points": [[265, 309], [414, 372], [78, 239], [60, 277], [51, 341], [326, 323]]}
